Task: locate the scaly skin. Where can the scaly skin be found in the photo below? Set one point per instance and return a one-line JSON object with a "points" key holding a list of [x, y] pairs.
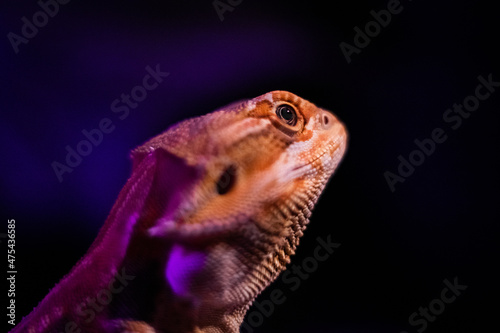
{"points": [[210, 216]]}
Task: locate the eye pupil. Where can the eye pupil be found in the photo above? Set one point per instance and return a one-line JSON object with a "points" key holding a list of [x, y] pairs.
{"points": [[287, 113], [226, 180]]}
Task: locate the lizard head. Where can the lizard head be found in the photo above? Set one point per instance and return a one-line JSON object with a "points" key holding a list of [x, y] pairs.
{"points": [[264, 160]]}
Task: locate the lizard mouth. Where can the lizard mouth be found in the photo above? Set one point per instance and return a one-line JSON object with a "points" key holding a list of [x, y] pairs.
{"points": [[331, 151]]}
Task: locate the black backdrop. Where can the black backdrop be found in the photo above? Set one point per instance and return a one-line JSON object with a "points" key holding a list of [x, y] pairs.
{"points": [[396, 86]]}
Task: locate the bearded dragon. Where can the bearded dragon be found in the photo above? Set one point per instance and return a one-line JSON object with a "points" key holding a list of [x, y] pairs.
{"points": [[211, 214]]}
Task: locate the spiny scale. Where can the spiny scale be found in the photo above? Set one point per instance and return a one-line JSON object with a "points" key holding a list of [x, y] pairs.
{"points": [[201, 249]]}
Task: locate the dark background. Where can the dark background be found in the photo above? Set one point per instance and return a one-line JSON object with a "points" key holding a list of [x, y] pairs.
{"points": [[396, 247]]}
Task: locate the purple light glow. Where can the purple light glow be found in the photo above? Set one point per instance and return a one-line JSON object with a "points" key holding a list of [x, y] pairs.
{"points": [[182, 267]]}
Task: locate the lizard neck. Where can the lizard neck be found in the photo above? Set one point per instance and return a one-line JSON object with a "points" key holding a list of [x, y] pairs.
{"points": [[195, 288], [215, 285]]}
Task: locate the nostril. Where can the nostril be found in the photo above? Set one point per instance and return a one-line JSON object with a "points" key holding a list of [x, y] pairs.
{"points": [[325, 120]]}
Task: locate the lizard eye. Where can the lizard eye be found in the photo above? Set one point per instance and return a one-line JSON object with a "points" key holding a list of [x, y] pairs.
{"points": [[226, 180], [287, 114]]}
